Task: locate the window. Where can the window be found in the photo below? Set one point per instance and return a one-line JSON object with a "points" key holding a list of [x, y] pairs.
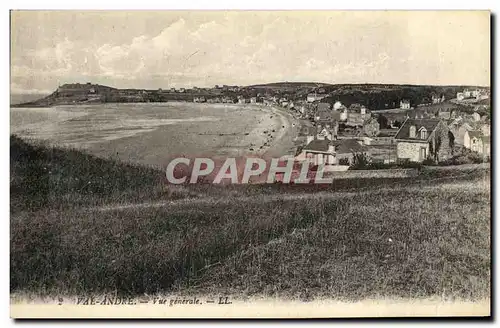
{"points": [[423, 153], [423, 134], [412, 131]]}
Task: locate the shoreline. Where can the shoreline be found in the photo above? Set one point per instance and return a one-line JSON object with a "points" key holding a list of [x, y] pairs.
{"points": [[281, 127], [263, 131]]}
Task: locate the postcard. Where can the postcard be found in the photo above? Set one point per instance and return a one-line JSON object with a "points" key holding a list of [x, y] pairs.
{"points": [[250, 164]]}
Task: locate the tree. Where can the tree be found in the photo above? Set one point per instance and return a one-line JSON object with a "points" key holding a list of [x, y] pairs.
{"points": [[383, 121]]}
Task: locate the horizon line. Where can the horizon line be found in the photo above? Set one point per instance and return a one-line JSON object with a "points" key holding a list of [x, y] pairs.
{"points": [[250, 85]]}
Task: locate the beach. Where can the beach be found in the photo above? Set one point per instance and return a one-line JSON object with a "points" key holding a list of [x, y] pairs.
{"points": [[154, 133]]}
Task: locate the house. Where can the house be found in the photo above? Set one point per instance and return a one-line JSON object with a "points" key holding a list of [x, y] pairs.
{"points": [[268, 102], [404, 104], [324, 106], [320, 151], [460, 96], [332, 152], [338, 105], [201, 99], [312, 97], [444, 114], [233, 88], [214, 100], [357, 115], [229, 100], [472, 93], [421, 139], [478, 143], [326, 132], [345, 149], [471, 138], [253, 100], [343, 115], [476, 116], [459, 133], [437, 99], [327, 117]]}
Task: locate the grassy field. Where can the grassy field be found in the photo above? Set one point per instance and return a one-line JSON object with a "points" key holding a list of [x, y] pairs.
{"points": [[355, 239]]}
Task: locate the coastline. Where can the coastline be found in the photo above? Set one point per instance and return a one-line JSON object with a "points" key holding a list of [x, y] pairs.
{"points": [[277, 130], [151, 133]]}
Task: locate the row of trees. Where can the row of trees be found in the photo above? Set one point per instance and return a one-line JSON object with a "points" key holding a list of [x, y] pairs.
{"points": [[377, 99]]}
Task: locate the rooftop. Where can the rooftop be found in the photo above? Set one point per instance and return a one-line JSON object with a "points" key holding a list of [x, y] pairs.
{"points": [[475, 134], [344, 146], [404, 132]]}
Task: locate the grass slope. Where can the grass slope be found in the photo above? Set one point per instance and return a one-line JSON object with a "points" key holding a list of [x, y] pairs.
{"points": [[422, 237]]}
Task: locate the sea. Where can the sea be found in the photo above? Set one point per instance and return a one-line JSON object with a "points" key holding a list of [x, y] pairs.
{"points": [[144, 133]]}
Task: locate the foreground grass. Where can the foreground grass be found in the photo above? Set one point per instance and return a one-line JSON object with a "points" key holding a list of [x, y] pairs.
{"points": [[414, 238], [44, 177]]}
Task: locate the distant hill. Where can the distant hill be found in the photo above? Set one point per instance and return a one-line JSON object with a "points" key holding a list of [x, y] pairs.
{"points": [[289, 85], [374, 96]]}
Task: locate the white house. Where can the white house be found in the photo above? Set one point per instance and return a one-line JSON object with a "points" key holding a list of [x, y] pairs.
{"points": [[404, 104], [471, 139], [312, 97], [337, 105]]}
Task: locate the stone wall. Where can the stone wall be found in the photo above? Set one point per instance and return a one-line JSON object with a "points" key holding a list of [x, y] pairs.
{"points": [[411, 150], [389, 173]]}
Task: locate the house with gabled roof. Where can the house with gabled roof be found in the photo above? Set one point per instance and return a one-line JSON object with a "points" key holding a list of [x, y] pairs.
{"points": [[421, 139], [331, 152], [327, 118], [476, 141]]}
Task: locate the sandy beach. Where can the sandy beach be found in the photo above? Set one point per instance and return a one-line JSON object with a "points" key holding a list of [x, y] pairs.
{"points": [[154, 133]]}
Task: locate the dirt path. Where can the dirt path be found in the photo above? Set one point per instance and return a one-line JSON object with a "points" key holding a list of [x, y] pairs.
{"points": [[471, 186]]}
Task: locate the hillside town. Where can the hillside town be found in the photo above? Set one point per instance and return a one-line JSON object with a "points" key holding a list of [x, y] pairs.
{"points": [[429, 128]]}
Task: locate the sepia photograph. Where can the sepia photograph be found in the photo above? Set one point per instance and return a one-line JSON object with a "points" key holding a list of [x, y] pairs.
{"points": [[250, 163]]}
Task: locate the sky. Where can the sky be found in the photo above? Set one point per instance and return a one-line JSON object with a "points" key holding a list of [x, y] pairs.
{"points": [[164, 49]]}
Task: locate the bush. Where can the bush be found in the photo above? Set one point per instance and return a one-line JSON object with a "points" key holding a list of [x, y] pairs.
{"points": [[465, 156], [410, 165], [428, 161], [360, 161], [344, 161]]}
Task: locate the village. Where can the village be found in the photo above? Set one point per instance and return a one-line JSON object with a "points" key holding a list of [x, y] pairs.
{"points": [[434, 133], [429, 130], [441, 131]]}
